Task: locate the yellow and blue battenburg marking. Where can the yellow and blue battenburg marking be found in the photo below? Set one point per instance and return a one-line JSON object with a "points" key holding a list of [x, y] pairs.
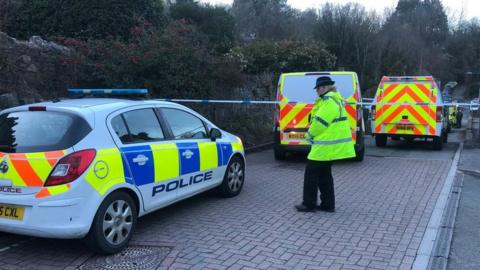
{"points": [[155, 163], [140, 161], [226, 152]]}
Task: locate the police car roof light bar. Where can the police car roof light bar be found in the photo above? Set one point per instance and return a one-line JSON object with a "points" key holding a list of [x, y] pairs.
{"points": [[107, 92]]}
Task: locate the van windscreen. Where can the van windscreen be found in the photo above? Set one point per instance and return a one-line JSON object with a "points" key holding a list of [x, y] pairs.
{"points": [[300, 88], [27, 131]]}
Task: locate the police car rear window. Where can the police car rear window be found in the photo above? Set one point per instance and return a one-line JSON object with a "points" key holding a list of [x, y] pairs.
{"points": [[40, 131], [300, 88]]}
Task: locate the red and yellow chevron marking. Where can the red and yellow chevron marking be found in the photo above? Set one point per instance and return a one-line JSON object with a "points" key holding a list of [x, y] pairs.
{"points": [[31, 169], [293, 115], [351, 109], [297, 115], [52, 191], [421, 117]]}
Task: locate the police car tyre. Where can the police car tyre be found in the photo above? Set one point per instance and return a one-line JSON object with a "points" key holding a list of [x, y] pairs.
{"points": [[113, 224], [380, 140], [234, 178]]}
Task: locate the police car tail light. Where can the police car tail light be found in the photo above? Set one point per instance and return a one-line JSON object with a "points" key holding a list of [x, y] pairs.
{"points": [[374, 112], [439, 114], [70, 167]]}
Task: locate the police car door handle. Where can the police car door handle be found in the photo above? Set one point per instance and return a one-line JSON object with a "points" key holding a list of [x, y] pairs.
{"points": [[140, 160]]}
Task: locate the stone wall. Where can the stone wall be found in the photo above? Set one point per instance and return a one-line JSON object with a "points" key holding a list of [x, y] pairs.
{"points": [[252, 122], [32, 70]]}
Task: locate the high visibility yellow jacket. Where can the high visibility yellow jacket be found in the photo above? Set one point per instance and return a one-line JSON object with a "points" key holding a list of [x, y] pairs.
{"points": [[329, 131]]}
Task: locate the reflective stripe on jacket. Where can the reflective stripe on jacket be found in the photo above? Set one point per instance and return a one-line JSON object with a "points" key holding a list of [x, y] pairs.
{"points": [[329, 131]]}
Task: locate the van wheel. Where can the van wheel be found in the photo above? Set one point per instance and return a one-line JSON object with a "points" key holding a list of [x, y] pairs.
{"points": [[438, 143], [279, 153], [113, 224], [234, 178], [380, 140]]}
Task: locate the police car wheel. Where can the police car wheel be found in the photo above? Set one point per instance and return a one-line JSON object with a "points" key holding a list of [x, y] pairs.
{"points": [[113, 224], [234, 177]]}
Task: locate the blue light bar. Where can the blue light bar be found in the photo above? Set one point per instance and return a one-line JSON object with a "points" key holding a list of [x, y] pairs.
{"points": [[112, 92]]}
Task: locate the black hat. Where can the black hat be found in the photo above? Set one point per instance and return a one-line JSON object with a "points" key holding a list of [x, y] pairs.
{"points": [[323, 81]]}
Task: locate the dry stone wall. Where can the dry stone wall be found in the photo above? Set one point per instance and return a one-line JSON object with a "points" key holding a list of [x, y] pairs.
{"points": [[32, 70]]}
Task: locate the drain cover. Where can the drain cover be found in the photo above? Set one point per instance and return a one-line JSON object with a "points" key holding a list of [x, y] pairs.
{"points": [[133, 257]]}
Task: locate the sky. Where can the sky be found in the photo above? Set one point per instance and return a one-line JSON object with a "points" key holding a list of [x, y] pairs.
{"points": [[470, 8]]}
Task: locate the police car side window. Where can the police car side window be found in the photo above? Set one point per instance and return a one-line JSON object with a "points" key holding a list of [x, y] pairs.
{"points": [[184, 125], [120, 129], [142, 126]]}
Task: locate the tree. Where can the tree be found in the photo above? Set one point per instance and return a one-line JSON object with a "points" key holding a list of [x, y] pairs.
{"points": [[263, 19], [284, 56], [463, 46], [8, 10], [215, 22], [425, 17], [412, 40], [303, 24], [350, 33]]}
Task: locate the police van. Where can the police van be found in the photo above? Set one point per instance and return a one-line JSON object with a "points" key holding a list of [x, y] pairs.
{"points": [[88, 168], [409, 107], [296, 97]]}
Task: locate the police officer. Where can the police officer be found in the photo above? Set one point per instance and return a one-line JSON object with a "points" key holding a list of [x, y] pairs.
{"points": [[331, 139], [459, 117]]}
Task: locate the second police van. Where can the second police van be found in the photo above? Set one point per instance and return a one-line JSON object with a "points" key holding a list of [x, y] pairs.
{"points": [[88, 168], [410, 108]]}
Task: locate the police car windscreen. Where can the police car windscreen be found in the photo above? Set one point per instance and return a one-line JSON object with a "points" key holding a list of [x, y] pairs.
{"points": [[30, 131], [300, 88]]}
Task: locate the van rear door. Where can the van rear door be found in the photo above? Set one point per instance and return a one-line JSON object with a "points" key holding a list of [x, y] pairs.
{"points": [[297, 96], [406, 107]]}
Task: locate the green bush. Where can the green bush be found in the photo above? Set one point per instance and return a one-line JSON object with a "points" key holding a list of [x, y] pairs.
{"points": [[284, 56], [97, 19], [174, 62]]}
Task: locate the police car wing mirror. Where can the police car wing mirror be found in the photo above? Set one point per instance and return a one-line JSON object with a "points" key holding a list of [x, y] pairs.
{"points": [[215, 134]]}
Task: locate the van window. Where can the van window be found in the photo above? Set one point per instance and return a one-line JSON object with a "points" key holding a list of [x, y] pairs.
{"points": [[300, 88], [26, 132]]}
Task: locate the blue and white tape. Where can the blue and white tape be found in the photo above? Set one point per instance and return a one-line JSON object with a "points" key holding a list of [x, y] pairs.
{"points": [[364, 104]]}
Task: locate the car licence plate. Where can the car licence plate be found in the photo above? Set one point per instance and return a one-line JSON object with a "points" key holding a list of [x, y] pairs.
{"points": [[296, 136], [404, 126], [11, 212]]}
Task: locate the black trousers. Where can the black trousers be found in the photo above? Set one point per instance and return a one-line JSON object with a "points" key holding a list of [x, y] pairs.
{"points": [[318, 175]]}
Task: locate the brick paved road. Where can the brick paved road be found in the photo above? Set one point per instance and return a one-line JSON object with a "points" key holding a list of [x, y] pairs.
{"points": [[383, 207]]}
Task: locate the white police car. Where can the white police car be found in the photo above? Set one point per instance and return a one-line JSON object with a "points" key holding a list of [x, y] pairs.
{"points": [[89, 167]]}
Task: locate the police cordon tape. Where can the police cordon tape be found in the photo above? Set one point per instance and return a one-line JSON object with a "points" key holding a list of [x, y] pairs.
{"points": [[472, 106], [76, 91]]}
